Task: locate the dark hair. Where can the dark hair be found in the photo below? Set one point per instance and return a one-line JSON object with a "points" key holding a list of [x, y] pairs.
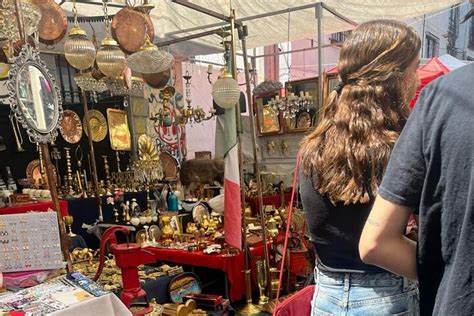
{"points": [[350, 147]]}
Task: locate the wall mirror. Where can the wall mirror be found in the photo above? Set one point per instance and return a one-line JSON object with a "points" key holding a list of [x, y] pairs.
{"points": [[34, 97]]}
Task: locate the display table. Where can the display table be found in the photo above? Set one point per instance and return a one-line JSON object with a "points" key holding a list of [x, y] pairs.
{"points": [[232, 266], [37, 207], [273, 200]]}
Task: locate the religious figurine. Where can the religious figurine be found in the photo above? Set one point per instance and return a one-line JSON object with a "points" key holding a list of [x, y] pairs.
{"points": [[204, 222]]}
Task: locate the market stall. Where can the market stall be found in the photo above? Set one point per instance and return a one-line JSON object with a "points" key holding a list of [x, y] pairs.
{"points": [[84, 140]]}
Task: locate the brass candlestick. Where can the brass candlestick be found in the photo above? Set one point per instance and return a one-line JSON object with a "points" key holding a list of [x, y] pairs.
{"points": [[117, 155], [107, 172], [70, 190], [56, 156], [262, 282]]}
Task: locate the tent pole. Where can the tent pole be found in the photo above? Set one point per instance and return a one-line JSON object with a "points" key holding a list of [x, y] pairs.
{"points": [[319, 17]]}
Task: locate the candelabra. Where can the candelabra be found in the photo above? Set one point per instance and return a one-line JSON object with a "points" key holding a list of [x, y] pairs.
{"points": [[290, 104], [190, 114]]}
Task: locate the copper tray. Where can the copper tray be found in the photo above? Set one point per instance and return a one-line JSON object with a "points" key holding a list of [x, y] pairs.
{"points": [[71, 127], [53, 24], [98, 125], [170, 166]]}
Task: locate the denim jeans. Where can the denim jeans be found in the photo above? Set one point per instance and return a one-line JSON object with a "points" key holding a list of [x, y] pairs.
{"points": [[350, 294]]}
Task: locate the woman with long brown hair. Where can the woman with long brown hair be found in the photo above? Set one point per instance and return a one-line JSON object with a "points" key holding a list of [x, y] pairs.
{"points": [[342, 164]]}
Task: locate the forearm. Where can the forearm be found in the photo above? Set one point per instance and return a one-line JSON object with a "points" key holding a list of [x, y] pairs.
{"points": [[397, 255]]}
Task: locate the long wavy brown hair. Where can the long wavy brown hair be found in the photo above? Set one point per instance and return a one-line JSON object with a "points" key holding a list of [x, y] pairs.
{"points": [[350, 147]]}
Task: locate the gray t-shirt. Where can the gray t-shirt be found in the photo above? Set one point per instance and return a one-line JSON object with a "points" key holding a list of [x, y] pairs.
{"points": [[432, 169]]}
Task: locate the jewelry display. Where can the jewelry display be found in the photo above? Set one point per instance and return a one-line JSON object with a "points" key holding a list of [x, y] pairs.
{"points": [[30, 241]]}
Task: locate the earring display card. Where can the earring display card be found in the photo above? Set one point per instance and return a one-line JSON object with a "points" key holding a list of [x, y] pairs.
{"points": [[29, 241]]}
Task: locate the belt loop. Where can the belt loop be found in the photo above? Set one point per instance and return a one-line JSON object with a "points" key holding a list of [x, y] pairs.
{"points": [[406, 284], [346, 281]]}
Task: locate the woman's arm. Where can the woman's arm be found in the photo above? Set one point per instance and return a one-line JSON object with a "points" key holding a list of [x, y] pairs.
{"points": [[383, 242]]}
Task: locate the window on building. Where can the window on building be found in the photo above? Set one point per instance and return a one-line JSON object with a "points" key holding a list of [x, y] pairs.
{"points": [[432, 46], [339, 38]]}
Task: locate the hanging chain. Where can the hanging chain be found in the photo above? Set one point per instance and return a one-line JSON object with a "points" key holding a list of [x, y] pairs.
{"points": [[106, 17], [74, 12]]}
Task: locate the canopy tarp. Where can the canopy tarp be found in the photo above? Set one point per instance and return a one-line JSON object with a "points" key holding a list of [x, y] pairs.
{"points": [[434, 68], [172, 20]]}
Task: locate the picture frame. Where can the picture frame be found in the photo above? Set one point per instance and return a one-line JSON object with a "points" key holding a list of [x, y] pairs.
{"points": [[268, 119], [330, 82], [304, 120], [119, 132]]}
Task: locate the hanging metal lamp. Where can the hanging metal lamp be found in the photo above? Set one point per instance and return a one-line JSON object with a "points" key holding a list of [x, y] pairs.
{"points": [[226, 91], [150, 59]]}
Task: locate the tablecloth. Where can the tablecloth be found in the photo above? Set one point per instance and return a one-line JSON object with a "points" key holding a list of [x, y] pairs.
{"points": [[107, 305], [232, 266], [39, 207]]}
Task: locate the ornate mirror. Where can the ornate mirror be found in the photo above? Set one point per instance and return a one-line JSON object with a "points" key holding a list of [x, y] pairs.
{"points": [[34, 97]]}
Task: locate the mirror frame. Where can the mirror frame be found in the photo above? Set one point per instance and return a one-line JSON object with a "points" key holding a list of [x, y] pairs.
{"points": [[30, 56]]}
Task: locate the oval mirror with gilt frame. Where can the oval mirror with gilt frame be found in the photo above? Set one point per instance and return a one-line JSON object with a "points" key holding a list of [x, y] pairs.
{"points": [[34, 96]]}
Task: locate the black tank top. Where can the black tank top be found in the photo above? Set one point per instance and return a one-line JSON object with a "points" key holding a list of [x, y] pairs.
{"points": [[335, 229]]}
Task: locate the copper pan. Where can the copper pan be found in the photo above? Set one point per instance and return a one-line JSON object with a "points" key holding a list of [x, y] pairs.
{"points": [[53, 24], [128, 29]]}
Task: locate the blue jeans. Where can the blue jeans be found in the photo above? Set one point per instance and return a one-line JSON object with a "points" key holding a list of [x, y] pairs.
{"points": [[350, 294]]}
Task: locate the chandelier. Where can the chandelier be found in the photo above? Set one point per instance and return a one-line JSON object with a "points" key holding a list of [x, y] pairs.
{"points": [[193, 115], [87, 82], [8, 20], [290, 104], [117, 87], [164, 115]]}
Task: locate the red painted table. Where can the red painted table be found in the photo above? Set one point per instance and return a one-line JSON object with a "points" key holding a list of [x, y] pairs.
{"points": [[36, 207], [232, 266]]}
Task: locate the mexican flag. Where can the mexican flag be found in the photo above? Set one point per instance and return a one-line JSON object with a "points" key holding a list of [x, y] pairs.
{"points": [[232, 203]]}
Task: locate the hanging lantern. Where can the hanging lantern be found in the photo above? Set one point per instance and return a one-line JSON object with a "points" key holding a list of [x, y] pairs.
{"points": [[150, 59], [225, 91], [110, 58], [78, 49]]}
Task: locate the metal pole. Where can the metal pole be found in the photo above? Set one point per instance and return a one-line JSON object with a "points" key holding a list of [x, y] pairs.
{"points": [[95, 180], [256, 160], [51, 179], [319, 17]]}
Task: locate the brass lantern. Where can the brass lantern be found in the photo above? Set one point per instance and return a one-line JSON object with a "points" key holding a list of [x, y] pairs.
{"points": [[78, 49], [110, 58]]}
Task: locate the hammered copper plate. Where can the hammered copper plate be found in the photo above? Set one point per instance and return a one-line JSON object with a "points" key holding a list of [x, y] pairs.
{"points": [[33, 172], [53, 24], [98, 125], [169, 165], [129, 28], [71, 127]]}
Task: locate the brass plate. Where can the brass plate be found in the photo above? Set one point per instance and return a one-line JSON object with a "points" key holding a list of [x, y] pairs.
{"points": [[33, 172], [170, 166], [119, 133], [71, 127], [98, 125]]}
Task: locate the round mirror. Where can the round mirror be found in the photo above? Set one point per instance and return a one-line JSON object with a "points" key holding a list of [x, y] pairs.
{"points": [[37, 98], [34, 97]]}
